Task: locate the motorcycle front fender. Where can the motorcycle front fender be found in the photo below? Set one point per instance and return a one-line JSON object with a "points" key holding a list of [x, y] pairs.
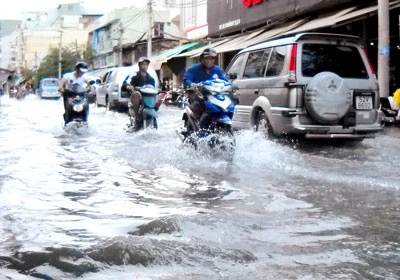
{"points": [[225, 119]]}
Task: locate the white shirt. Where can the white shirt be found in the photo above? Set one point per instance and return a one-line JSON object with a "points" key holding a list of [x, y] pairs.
{"points": [[71, 79]]}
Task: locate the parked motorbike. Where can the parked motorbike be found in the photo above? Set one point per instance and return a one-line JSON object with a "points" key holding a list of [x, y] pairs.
{"points": [[390, 109], [76, 105], [171, 98], [147, 109], [208, 117], [182, 99]]}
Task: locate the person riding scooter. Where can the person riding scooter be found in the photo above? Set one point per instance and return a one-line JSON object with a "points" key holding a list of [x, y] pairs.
{"points": [[201, 72], [390, 106], [137, 80], [78, 77]]}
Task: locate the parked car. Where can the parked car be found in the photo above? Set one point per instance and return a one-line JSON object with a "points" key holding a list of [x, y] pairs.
{"points": [[48, 88], [312, 85], [110, 94]]}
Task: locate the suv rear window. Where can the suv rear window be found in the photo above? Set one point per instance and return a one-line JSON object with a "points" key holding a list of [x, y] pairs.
{"points": [[345, 61]]}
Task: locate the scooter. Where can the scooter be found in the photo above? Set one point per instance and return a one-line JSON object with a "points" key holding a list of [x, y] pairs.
{"points": [[390, 109], [182, 99], [209, 122], [147, 109], [77, 105]]}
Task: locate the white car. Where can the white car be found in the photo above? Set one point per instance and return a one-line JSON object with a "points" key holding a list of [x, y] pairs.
{"points": [[110, 95]]}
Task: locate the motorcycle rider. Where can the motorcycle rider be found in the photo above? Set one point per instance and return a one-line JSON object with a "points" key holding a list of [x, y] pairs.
{"points": [[137, 80], [205, 70], [76, 77]]}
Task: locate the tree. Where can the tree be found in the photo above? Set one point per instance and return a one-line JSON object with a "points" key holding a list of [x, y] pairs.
{"points": [[49, 65]]}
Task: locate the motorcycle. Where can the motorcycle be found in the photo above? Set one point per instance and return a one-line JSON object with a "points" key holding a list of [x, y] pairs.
{"points": [[208, 117], [147, 108], [182, 99], [390, 109], [171, 98], [76, 105]]}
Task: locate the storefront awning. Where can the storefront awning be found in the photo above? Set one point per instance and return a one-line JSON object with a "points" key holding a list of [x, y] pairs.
{"points": [[156, 61], [268, 35], [321, 22], [232, 44], [197, 51], [356, 15], [353, 13]]}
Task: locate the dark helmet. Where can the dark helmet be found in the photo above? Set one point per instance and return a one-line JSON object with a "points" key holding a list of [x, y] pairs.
{"points": [[81, 66], [143, 58], [208, 52]]}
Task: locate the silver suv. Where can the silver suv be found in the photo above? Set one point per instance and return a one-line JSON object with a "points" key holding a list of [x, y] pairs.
{"points": [[312, 85]]}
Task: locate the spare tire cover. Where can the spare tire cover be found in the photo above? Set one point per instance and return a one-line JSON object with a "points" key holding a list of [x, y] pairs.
{"points": [[327, 97]]}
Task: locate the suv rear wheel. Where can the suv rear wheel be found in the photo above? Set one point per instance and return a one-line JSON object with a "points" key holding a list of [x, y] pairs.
{"points": [[108, 105], [262, 125]]}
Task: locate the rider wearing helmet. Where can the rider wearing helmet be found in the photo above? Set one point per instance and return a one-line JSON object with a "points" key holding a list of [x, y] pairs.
{"points": [[205, 70], [137, 80], [76, 77]]}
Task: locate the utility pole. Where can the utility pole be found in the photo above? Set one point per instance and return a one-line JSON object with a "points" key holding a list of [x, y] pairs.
{"points": [[121, 31], [59, 55], [383, 47], [150, 29]]}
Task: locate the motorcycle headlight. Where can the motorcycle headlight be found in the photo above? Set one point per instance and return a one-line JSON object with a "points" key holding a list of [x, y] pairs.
{"points": [[78, 107]]}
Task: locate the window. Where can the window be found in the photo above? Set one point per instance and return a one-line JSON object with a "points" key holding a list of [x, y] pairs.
{"points": [[276, 61], [345, 61], [255, 65], [158, 30], [235, 67], [189, 18]]}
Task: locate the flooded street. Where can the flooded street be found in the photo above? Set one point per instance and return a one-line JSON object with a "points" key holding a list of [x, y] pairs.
{"points": [[107, 204]]}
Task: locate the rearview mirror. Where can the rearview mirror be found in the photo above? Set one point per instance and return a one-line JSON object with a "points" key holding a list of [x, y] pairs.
{"points": [[232, 76]]}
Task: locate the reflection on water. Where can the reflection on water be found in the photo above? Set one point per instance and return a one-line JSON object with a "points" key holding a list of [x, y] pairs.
{"points": [[106, 204]]}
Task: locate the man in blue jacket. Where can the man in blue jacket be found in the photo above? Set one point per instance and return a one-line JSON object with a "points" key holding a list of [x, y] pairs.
{"points": [[200, 72], [205, 70]]}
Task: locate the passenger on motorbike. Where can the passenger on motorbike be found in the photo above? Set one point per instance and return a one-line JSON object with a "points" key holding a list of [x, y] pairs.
{"points": [[137, 80], [200, 72], [76, 77]]}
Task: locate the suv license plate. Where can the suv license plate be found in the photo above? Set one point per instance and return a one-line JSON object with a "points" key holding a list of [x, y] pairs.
{"points": [[363, 102]]}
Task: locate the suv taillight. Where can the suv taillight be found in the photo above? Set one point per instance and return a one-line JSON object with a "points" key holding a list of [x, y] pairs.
{"points": [[292, 64], [369, 63]]}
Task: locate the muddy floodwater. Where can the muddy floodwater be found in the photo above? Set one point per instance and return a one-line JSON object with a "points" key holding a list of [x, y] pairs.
{"points": [[102, 203]]}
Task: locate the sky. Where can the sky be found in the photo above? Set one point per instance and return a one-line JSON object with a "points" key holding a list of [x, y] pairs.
{"points": [[14, 9]]}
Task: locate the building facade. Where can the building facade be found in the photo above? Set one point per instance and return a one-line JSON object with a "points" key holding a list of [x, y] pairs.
{"points": [[121, 36], [65, 27]]}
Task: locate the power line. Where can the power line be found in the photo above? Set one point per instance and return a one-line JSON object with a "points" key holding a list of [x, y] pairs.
{"points": [[193, 4]]}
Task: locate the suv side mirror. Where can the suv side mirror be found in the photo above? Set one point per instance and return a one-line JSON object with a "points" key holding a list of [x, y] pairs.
{"points": [[232, 76]]}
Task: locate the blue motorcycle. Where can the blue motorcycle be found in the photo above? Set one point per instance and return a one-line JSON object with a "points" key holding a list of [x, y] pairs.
{"points": [[208, 116]]}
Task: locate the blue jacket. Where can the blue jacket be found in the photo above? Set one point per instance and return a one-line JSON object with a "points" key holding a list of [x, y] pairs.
{"points": [[196, 74]]}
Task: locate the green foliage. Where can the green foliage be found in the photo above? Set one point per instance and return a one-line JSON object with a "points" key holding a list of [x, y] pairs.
{"points": [[49, 65]]}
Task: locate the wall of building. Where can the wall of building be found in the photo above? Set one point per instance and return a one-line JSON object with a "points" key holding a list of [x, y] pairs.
{"points": [[231, 16]]}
